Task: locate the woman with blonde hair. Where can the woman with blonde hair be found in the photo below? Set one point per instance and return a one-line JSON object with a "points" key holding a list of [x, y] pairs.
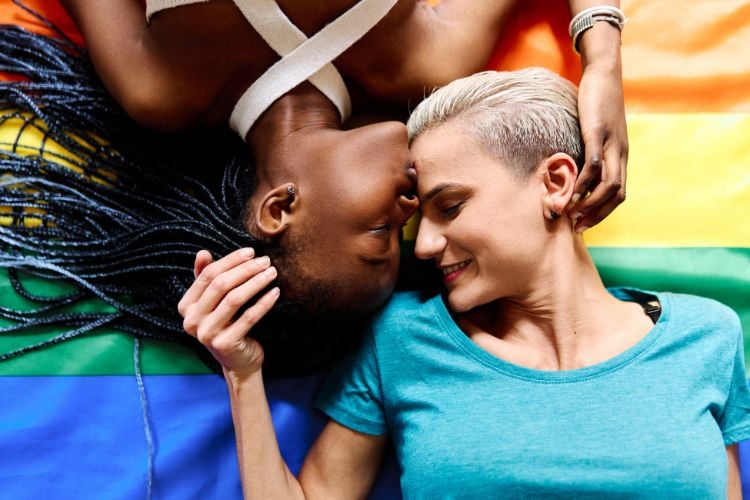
{"points": [[525, 377]]}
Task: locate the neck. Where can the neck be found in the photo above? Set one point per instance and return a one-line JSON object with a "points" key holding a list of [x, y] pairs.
{"points": [[276, 136], [564, 320]]}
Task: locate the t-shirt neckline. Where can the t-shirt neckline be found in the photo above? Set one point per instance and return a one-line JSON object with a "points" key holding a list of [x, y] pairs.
{"points": [[564, 376]]}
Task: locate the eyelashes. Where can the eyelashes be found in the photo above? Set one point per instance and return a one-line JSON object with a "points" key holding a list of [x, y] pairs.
{"points": [[451, 210], [384, 229]]}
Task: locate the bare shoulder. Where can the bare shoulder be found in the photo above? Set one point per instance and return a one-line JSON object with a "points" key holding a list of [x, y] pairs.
{"points": [[418, 46], [213, 44]]}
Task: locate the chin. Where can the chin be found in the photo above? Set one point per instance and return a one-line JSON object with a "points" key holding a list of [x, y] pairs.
{"points": [[459, 304], [463, 302]]}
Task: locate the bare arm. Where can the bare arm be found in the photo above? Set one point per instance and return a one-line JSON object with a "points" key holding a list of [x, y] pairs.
{"points": [[601, 111], [734, 485], [173, 74], [342, 463], [424, 46], [116, 37], [463, 34], [334, 470]]}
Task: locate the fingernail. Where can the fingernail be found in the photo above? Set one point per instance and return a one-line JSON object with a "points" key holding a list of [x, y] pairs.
{"points": [[581, 229], [271, 271], [263, 261], [247, 253], [274, 291], [575, 198]]}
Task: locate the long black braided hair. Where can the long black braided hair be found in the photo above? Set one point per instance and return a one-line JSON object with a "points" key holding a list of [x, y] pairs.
{"points": [[119, 212]]}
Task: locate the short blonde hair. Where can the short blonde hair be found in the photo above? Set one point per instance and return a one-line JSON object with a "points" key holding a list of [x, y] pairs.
{"points": [[520, 117]]}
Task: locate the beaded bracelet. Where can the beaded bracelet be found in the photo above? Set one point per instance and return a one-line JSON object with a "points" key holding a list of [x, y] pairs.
{"points": [[587, 17]]}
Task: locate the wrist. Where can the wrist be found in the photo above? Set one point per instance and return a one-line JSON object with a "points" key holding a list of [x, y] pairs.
{"points": [[239, 378], [600, 46], [596, 30]]}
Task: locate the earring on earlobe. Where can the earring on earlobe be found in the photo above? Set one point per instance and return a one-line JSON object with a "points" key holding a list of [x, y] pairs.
{"points": [[553, 215], [290, 191]]}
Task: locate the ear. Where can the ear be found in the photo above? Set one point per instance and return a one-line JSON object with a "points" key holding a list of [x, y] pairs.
{"points": [[276, 210], [559, 173]]}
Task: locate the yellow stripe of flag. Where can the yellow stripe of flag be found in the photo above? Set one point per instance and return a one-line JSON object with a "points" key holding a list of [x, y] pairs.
{"points": [[688, 183]]}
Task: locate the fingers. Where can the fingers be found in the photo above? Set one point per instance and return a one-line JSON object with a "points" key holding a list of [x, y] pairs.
{"points": [[227, 281], [607, 188], [253, 314], [202, 259], [230, 345], [213, 320], [209, 272], [592, 168]]}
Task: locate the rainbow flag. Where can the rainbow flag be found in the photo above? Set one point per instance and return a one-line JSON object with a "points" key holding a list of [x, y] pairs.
{"points": [[99, 417]]}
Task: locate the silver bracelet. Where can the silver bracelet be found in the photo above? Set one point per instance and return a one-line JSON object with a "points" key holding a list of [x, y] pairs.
{"points": [[587, 17]]}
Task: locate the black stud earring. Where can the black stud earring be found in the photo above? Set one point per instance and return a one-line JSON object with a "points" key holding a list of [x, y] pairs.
{"points": [[553, 215]]}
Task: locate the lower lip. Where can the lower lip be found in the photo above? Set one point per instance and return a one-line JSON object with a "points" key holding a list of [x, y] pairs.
{"points": [[450, 278]]}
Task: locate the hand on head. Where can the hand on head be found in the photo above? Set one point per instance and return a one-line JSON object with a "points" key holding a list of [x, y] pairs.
{"points": [[605, 137], [211, 307]]}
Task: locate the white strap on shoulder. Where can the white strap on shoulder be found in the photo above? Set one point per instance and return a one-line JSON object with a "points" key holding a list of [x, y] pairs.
{"points": [[305, 60], [280, 33]]}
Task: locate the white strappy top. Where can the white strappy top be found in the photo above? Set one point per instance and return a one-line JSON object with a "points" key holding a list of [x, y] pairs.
{"points": [[302, 58]]}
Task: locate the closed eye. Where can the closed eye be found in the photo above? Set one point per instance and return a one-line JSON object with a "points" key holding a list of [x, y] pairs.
{"points": [[384, 229], [374, 261], [452, 210]]}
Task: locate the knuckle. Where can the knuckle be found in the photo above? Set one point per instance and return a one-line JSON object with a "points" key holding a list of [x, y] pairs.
{"points": [[190, 325], [615, 186], [251, 317], [219, 283], [208, 274], [205, 336], [221, 346], [234, 299], [596, 161]]}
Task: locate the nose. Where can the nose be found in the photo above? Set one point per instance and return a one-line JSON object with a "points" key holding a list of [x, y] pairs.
{"points": [[430, 242], [396, 131]]}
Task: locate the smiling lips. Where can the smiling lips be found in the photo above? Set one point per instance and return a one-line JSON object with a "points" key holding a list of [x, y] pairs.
{"points": [[452, 272]]}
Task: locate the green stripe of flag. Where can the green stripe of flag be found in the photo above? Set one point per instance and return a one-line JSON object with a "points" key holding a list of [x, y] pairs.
{"points": [[719, 273]]}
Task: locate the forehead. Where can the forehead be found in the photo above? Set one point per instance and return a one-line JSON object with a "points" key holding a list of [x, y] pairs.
{"points": [[447, 151], [452, 139]]}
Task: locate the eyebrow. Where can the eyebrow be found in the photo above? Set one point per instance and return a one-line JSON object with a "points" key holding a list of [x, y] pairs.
{"points": [[434, 191]]}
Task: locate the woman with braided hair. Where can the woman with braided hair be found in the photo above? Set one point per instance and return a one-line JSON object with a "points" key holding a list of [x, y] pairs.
{"points": [[334, 197], [325, 203]]}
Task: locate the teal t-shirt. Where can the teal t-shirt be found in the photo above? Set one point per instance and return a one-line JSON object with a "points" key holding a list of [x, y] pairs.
{"points": [[652, 422]]}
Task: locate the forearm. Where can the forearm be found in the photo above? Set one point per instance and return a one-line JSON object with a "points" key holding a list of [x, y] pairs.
{"points": [[734, 482], [263, 471]]}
